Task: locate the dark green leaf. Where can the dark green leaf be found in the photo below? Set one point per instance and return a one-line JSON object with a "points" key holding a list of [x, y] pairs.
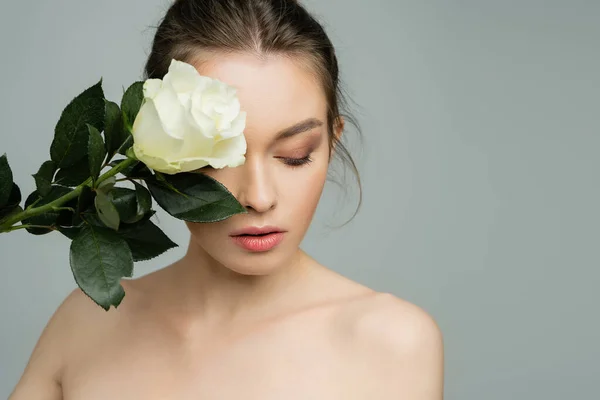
{"points": [[70, 231], [125, 202], [145, 217], [43, 178], [75, 174], [65, 217], [70, 142], [7, 212], [96, 152], [126, 144], [131, 102], [91, 217], [144, 199], [12, 205], [106, 210], [137, 170], [145, 240], [85, 201], [49, 218], [107, 185], [6, 180], [99, 259], [114, 132], [197, 197]]}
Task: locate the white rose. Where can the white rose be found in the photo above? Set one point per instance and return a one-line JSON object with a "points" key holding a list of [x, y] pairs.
{"points": [[188, 121]]}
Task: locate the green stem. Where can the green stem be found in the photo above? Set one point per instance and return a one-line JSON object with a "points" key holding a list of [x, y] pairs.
{"points": [[32, 212], [116, 170], [14, 228], [34, 203], [63, 208]]}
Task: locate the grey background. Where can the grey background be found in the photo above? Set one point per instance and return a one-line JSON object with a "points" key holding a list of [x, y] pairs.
{"points": [[480, 168]]}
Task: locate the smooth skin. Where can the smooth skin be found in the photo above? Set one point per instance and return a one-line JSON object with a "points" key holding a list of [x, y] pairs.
{"points": [[225, 323]]}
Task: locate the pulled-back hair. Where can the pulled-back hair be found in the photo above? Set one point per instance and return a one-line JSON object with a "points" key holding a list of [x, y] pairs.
{"points": [[192, 30]]}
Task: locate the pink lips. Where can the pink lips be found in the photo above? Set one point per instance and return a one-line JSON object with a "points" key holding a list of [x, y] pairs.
{"points": [[258, 238]]}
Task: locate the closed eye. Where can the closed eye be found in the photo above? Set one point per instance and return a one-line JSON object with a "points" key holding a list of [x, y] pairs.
{"points": [[296, 162]]}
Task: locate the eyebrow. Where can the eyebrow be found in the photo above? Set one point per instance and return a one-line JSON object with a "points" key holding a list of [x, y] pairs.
{"points": [[298, 128]]}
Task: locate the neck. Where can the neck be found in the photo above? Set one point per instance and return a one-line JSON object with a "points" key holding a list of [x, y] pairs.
{"points": [[219, 296]]}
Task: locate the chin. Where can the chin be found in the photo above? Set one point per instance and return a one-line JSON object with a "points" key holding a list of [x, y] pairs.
{"points": [[254, 264]]}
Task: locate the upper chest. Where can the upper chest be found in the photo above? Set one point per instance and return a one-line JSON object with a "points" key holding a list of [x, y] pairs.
{"points": [[306, 357]]}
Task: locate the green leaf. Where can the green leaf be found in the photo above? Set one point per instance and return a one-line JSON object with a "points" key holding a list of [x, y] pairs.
{"points": [[107, 185], [74, 175], [194, 197], [99, 259], [9, 212], [146, 240], [126, 144], [137, 170], [85, 201], [96, 152], [114, 131], [12, 205], [91, 218], [43, 178], [125, 202], [70, 142], [106, 210], [144, 199], [49, 218], [132, 102], [6, 180], [132, 205], [70, 231]]}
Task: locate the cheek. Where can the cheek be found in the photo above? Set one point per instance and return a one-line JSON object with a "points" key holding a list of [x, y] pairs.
{"points": [[196, 229], [303, 191], [206, 233]]}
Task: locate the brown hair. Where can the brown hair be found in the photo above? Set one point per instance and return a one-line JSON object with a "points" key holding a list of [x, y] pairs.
{"points": [[192, 29]]}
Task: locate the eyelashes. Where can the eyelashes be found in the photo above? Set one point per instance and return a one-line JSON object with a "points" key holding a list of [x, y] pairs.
{"points": [[296, 162]]}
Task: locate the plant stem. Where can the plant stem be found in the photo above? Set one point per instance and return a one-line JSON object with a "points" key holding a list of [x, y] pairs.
{"points": [[63, 208], [32, 212], [14, 228]]}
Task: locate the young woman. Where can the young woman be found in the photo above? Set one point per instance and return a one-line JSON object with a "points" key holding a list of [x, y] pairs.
{"points": [[241, 316]]}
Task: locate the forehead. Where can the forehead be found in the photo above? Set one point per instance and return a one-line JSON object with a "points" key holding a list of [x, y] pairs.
{"points": [[274, 91]]}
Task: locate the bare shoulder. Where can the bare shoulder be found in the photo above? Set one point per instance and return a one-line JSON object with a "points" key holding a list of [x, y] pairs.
{"points": [[41, 377], [75, 321], [398, 344], [395, 322]]}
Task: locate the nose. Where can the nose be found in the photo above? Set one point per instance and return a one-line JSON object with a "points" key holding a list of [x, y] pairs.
{"points": [[256, 190]]}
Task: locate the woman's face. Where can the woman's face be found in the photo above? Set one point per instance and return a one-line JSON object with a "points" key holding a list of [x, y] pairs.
{"points": [[282, 179]]}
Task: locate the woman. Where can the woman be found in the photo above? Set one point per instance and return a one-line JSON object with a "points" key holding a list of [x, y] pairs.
{"points": [[241, 316]]}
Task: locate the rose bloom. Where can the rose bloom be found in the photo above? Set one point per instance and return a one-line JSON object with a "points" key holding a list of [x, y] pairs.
{"points": [[188, 121]]}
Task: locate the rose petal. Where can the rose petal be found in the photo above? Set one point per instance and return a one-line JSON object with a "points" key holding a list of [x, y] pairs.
{"points": [[228, 153], [183, 77], [232, 111], [237, 127], [148, 133], [155, 163], [195, 145], [170, 111], [192, 164], [151, 87], [206, 125]]}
